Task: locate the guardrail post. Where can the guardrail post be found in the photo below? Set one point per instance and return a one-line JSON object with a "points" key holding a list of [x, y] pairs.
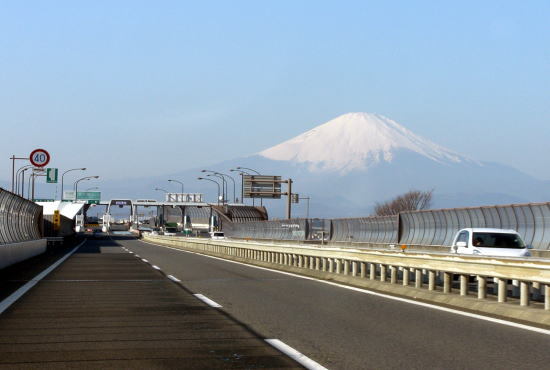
{"points": [[406, 273], [546, 296], [431, 280], [383, 273], [338, 265], [317, 263], [330, 265], [324, 262], [363, 265], [464, 284], [502, 290], [353, 268], [393, 274], [372, 273], [346, 267], [300, 260], [418, 278], [481, 287], [312, 261], [447, 278], [524, 293]]}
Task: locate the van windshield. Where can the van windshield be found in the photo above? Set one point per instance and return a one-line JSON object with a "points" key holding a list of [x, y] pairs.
{"points": [[497, 240]]}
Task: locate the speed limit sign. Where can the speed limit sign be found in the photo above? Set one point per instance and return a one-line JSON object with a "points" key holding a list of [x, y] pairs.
{"points": [[39, 157]]}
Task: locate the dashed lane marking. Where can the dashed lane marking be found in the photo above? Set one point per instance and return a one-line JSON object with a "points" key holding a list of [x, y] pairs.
{"points": [[208, 301]]}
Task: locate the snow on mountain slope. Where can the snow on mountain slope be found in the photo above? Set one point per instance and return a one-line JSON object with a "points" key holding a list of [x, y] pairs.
{"points": [[356, 141]]}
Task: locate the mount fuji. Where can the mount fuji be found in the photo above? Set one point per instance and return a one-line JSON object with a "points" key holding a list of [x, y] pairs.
{"points": [[348, 164]]}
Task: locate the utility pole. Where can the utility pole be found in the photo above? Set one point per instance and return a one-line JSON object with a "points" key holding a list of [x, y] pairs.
{"points": [[289, 200]]}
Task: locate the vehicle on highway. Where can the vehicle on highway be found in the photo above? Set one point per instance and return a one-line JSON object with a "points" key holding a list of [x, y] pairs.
{"points": [[489, 242], [217, 235], [155, 231], [170, 231]]}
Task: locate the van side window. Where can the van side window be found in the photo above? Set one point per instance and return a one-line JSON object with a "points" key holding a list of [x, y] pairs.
{"points": [[463, 237]]}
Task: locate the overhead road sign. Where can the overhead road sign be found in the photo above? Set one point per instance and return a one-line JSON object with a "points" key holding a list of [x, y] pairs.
{"points": [[88, 196], [51, 175], [39, 157], [261, 186]]}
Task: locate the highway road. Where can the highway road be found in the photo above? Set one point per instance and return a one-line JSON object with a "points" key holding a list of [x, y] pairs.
{"points": [[345, 329]]}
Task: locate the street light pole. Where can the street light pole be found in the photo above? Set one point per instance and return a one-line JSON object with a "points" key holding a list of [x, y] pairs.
{"points": [[241, 172], [224, 188], [13, 159], [73, 169], [215, 182], [17, 175], [76, 184], [223, 174], [181, 183], [250, 169]]}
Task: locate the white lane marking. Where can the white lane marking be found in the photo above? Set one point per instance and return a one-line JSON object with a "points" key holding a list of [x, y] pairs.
{"points": [[173, 278], [365, 291], [207, 300], [130, 252], [144, 260], [295, 355], [25, 288], [137, 256], [156, 267]]}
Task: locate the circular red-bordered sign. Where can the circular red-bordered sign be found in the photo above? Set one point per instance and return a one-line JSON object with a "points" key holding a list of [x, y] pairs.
{"points": [[39, 157]]}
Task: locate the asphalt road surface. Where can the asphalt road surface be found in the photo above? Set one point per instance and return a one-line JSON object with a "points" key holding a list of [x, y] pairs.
{"points": [[345, 329]]}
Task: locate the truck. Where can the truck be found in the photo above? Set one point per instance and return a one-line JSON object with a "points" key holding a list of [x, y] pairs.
{"points": [[489, 242]]}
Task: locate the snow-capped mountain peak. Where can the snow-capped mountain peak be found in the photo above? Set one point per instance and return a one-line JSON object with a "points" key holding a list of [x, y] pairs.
{"points": [[356, 141]]}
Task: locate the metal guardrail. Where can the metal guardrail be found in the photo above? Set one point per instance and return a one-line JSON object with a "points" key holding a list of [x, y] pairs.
{"points": [[429, 228], [20, 219], [500, 279]]}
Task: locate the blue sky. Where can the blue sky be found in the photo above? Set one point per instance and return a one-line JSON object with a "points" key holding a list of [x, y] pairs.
{"points": [[129, 88]]}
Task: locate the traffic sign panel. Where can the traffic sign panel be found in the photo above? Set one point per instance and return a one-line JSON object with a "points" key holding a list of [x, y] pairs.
{"points": [[39, 157], [51, 175]]}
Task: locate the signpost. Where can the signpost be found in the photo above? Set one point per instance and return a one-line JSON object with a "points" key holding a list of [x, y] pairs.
{"points": [[51, 175], [261, 186], [39, 157], [56, 220]]}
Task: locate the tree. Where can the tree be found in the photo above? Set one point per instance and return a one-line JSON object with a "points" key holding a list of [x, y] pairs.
{"points": [[410, 201]]}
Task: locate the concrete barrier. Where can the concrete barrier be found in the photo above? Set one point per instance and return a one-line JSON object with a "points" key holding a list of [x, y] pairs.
{"points": [[17, 252], [506, 287]]}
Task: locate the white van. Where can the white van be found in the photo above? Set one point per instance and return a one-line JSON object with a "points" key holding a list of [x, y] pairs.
{"points": [[489, 242], [217, 235]]}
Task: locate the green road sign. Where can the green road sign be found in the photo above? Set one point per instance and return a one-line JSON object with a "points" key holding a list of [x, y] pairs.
{"points": [[89, 195], [51, 175], [43, 200]]}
